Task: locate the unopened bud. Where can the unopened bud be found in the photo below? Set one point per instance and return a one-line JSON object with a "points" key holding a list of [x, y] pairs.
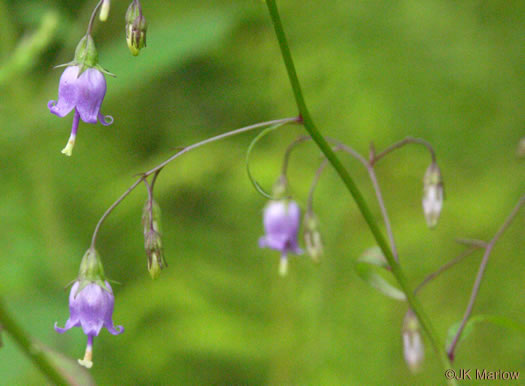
{"points": [[432, 194], [155, 254], [136, 27], [413, 348], [104, 10], [312, 237]]}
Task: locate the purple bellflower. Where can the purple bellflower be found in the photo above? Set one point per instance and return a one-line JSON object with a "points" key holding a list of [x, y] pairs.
{"points": [[82, 93], [91, 304], [281, 225], [82, 88], [90, 308]]}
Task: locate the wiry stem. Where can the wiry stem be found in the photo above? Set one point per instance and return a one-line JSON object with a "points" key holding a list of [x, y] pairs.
{"points": [[408, 140], [288, 152], [479, 276], [92, 19], [445, 267], [157, 168]]}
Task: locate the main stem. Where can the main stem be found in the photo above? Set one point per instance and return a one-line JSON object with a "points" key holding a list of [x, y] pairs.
{"points": [[30, 348], [351, 186]]}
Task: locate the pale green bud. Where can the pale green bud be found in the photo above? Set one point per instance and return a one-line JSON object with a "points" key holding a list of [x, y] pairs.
{"points": [[433, 194], [136, 27], [154, 253], [413, 348], [104, 10], [312, 237]]}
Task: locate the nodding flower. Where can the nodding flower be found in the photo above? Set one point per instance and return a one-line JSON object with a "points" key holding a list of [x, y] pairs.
{"points": [[281, 225], [81, 89], [91, 303]]}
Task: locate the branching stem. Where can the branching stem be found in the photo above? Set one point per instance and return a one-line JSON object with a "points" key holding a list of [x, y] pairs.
{"points": [[479, 276], [157, 168]]}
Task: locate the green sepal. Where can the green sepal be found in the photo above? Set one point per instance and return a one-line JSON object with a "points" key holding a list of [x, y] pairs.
{"points": [[86, 55], [104, 71]]}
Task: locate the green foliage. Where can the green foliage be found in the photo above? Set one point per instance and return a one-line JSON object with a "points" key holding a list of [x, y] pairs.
{"points": [[373, 257], [510, 324], [376, 71]]}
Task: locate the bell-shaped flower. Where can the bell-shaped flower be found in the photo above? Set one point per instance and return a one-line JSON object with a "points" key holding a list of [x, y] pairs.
{"points": [[281, 225], [91, 303], [82, 92], [91, 308]]}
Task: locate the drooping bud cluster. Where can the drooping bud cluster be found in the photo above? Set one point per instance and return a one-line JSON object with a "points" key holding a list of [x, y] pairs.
{"points": [[433, 194], [82, 88], [136, 27], [312, 237], [413, 348], [152, 238], [91, 303]]}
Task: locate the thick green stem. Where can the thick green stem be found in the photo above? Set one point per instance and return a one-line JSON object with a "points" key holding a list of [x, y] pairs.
{"points": [[352, 188], [31, 348]]}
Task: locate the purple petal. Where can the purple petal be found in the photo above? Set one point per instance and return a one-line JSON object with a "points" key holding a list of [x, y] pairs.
{"points": [[68, 93], [91, 327], [92, 89], [69, 324], [281, 224], [106, 120], [113, 330]]}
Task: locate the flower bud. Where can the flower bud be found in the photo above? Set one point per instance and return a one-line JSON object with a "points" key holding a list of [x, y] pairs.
{"points": [[136, 27], [155, 254], [152, 238], [104, 10], [413, 348], [312, 237], [432, 194]]}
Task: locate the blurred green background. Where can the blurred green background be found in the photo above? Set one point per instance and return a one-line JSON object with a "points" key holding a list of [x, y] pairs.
{"points": [[450, 72]]}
